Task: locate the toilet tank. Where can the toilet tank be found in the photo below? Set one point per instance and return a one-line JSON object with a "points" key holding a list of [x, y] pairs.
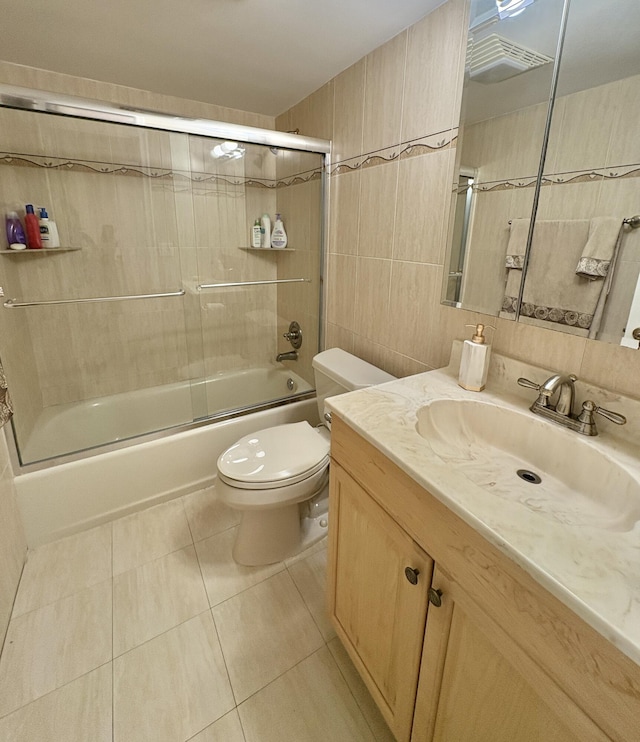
{"points": [[337, 372]]}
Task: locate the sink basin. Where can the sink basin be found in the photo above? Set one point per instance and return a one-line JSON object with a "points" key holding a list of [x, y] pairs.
{"points": [[579, 483]]}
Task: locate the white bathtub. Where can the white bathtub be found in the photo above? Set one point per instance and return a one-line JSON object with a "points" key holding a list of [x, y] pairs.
{"points": [[73, 496], [67, 428]]}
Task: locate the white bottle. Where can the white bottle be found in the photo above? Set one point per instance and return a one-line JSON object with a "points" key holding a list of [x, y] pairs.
{"points": [[278, 236], [48, 230], [256, 234], [474, 363], [265, 231]]}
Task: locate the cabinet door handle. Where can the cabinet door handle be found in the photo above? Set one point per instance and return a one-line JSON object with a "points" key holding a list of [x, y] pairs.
{"points": [[435, 597], [412, 575]]}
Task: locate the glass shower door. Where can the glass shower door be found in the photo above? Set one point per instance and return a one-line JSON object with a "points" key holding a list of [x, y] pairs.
{"points": [[95, 342]]}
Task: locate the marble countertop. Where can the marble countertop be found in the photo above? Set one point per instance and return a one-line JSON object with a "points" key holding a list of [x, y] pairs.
{"points": [[592, 570]]}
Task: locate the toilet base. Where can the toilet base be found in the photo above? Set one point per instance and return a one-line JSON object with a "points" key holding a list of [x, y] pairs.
{"points": [[269, 536]]}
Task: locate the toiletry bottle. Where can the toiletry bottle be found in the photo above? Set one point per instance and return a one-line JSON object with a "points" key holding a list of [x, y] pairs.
{"points": [[278, 236], [33, 228], [256, 234], [16, 237], [474, 363], [48, 230], [265, 231]]}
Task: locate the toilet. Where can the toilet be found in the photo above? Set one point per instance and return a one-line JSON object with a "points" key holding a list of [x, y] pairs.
{"points": [[278, 478]]}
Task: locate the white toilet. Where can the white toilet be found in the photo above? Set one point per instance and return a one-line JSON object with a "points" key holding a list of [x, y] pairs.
{"points": [[279, 477]]}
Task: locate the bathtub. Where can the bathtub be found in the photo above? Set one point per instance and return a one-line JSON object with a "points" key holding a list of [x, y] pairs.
{"points": [[73, 495]]}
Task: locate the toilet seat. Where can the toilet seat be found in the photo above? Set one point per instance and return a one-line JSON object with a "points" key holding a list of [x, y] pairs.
{"points": [[275, 457]]}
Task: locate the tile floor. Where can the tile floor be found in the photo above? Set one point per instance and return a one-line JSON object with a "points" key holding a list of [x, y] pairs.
{"points": [[145, 630]]}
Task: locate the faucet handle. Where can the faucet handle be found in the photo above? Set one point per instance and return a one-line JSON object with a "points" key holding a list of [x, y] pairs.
{"points": [[529, 384], [589, 408]]}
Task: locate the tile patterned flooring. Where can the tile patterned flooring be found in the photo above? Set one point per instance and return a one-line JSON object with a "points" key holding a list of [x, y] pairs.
{"points": [[145, 630]]}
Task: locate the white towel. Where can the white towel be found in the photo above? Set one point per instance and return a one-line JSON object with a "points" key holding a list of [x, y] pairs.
{"points": [[598, 252], [517, 243]]}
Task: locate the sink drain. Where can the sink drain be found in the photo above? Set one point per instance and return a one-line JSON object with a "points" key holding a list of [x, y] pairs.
{"points": [[529, 476]]}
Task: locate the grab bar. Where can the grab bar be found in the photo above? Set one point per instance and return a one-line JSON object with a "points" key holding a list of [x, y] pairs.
{"points": [[12, 303], [250, 283]]}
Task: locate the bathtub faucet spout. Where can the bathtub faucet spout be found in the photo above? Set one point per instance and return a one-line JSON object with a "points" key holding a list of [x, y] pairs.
{"points": [[290, 355]]}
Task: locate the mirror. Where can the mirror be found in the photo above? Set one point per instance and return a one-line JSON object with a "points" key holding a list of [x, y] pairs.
{"points": [[590, 177], [505, 98], [587, 259]]}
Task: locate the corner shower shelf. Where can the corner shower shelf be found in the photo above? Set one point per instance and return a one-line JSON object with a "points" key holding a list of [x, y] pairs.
{"points": [[38, 251], [269, 249]]}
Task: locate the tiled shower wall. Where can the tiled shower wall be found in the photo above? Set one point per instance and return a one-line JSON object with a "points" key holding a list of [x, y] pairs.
{"points": [[389, 212]]}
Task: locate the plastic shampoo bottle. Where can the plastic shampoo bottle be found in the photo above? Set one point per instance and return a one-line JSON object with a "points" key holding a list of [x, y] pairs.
{"points": [[265, 231], [16, 237], [33, 228], [278, 236], [256, 234], [48, 230]]}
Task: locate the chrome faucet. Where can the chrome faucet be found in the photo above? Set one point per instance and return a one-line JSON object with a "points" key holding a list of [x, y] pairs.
{"points": [[562, 411], [290, 355]]}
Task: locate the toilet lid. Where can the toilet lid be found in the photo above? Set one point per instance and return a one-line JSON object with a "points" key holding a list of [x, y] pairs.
{"points": [[280, 455]]}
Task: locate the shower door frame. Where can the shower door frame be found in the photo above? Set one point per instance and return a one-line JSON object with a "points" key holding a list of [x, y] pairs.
{"points": [[39, 101]]}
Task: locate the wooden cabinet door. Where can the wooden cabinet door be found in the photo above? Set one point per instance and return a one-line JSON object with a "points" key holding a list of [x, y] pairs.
{"points": [[377, 612], [477, 685]]}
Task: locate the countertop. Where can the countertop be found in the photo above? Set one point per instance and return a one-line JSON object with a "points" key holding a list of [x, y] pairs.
{"points": [[593, 571]]}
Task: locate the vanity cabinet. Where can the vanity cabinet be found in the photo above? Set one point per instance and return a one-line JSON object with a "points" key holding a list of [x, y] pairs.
{"points": [[499, 660], [378, 612]]}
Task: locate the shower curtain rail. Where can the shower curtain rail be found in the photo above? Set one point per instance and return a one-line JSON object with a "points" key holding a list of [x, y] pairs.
{"points": [[250, 283], [12, 303]]}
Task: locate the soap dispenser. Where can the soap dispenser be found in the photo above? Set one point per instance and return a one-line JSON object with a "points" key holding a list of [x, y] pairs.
{"points": [[474, 363]]}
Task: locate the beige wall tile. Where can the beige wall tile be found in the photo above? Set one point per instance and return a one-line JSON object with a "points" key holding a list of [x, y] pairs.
{"points": [[348, 114], [541, 346], [340, 291], [264, 632], [373, 279], [424, 193], [172, 687], [377, 210], [345, 213], [588, 118], [58, 643], [436, 45], [383, 94], [80, 710]]}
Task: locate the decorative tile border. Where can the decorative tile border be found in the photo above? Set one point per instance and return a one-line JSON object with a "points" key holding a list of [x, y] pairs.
{"points": [[13, 159], [576, 176], [414, 148]]}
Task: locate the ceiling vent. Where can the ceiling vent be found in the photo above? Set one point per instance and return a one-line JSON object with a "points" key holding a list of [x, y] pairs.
{"points": [[495, 58]]}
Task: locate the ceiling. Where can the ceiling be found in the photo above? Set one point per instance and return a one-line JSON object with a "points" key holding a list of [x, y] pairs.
{"points": [[252, 55]]}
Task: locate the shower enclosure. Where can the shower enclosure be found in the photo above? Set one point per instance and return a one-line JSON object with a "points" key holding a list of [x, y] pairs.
{"points": [[154, 312]]}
